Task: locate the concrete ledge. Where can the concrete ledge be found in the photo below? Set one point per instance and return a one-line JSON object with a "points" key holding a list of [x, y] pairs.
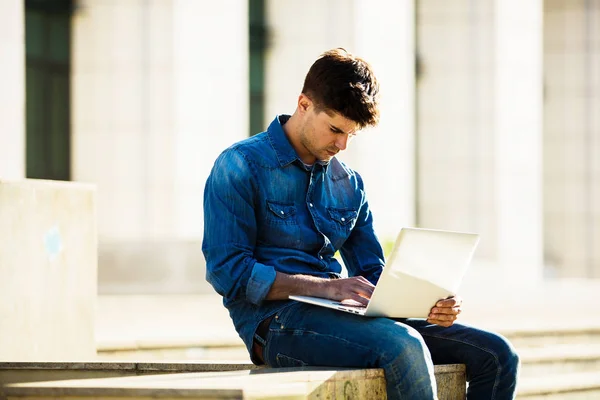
{"points": [[48, 268], [22, 372], [168, 343], [176, 382]]}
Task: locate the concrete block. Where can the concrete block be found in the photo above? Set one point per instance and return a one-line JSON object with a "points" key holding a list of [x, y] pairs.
{"points": [[48, 263], [263, 383]]}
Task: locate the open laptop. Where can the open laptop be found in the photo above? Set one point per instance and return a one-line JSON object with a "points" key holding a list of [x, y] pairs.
{"points": [[425, 266]]}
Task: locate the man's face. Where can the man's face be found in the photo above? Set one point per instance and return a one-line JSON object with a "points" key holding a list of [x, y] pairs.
{"points": [[324, 134]]}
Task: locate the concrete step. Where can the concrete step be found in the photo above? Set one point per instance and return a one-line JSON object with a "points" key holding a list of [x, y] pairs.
{"points": [[559, 359], [528, 337], [20, 372], [259, 383], [193, 351], [569, 386]]}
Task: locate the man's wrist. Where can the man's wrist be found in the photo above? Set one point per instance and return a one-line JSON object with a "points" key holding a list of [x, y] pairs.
{"points": [[302, 285], [317, 287]]}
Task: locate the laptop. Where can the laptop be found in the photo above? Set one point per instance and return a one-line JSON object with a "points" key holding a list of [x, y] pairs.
{"points": [[425, 266]]}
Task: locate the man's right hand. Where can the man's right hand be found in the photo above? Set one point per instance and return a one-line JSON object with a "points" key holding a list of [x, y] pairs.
{"points": [[356, 288]]}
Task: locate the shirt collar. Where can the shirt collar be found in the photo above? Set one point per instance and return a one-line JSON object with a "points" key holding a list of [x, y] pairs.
{"points": [[282, 146]]}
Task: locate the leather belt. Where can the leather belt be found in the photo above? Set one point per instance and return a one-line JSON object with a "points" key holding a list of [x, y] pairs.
{"points": [[258, 344]]}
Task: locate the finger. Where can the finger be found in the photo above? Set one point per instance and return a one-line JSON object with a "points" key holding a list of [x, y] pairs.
{"points": [[367, 292], [446, 310], [445, 324], [363, 289], [457, 299], [450, 302], [441, 322], [443, 317], [347, 286], [364, 280], [362, 300]]}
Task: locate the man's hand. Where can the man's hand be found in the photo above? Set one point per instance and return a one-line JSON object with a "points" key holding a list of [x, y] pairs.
{"points": [[445, 311], [356, 288]]}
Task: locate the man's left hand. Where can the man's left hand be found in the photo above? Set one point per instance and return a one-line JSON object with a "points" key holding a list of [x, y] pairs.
{"points": [[445, 311]]}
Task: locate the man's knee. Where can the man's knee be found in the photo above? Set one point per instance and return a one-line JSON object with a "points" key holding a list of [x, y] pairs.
{"points": [[505, 356], [403, 343], [509, 357]]}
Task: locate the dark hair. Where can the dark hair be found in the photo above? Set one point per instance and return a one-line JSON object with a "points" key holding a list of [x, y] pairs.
{"points": [[340, 82]]}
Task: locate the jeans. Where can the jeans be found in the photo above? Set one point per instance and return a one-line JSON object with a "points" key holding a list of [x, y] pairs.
{"points": [[406, 349]]}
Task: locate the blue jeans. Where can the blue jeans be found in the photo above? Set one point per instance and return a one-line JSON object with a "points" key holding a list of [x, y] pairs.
{"points": [[406, 349]]}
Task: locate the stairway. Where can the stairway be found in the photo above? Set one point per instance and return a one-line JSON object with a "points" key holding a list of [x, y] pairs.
{"points": [[562, 363]]}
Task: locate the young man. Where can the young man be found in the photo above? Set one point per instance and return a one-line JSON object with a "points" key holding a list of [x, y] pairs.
{"points": [[277, 207]]}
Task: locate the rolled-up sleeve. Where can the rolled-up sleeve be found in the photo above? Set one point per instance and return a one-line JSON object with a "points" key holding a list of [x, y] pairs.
{"points": [[230, 231]]}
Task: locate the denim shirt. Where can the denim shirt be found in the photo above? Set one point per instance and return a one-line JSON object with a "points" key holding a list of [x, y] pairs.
{"points": [[266, 211]]}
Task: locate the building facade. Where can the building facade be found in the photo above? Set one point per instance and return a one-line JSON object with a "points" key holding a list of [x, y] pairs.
{"points": [[489, 118]]}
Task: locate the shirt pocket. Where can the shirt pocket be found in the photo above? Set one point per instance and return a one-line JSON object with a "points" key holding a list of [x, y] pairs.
{"points": [[344, 218], [280, 227], [341, 222], [281, 213]]}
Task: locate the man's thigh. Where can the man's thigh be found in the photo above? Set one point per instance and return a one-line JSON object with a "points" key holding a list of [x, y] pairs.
{"points": [[304, 334]]}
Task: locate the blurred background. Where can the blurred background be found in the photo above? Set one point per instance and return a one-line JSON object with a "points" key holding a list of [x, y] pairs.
{"points": [[490, 123], [490, 119]]}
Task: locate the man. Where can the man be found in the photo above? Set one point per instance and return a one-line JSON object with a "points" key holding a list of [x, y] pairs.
{"points": [[279, 205]]}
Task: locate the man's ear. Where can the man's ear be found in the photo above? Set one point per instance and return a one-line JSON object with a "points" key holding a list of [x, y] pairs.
{"points": [[304, 103]]}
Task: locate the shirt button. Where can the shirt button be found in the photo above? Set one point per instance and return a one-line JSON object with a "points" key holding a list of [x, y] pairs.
{"points": [[282, 212], [343, 219], [321, 257], [310, 204]]}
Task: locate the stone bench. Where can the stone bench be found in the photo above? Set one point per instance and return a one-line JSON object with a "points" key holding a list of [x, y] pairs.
{"points": [[202, 380]]}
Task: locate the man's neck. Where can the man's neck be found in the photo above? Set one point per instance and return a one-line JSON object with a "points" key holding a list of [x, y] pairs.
{"points": [[291, 129]]}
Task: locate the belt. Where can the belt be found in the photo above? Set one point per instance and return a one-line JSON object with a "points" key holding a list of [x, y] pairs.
{"points": [[260, 339]]}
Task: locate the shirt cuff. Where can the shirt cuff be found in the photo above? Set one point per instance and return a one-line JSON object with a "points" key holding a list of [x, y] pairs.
{"points": [[260, 283]]}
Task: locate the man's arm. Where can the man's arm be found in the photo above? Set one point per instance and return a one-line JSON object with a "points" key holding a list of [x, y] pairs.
{"points": [[230, 231], [356, 288]]}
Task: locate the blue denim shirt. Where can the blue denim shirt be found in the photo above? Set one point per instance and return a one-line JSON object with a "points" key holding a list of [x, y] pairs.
{"points": [[266, 211]]}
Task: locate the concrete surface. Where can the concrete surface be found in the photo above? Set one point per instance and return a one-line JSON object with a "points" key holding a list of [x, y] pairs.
{"points": [[48, 263], [297, 383]]}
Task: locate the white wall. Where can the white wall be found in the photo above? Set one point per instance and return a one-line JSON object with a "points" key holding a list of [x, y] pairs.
{"points": [[572, 138], [479, 128], [384, 35], [12, 95], [518, 137], [159, 89], [298, 32], [210, 98], [455, 123]]}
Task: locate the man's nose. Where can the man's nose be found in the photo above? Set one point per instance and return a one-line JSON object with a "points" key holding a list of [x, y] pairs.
{"points": [[341, 142]]}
